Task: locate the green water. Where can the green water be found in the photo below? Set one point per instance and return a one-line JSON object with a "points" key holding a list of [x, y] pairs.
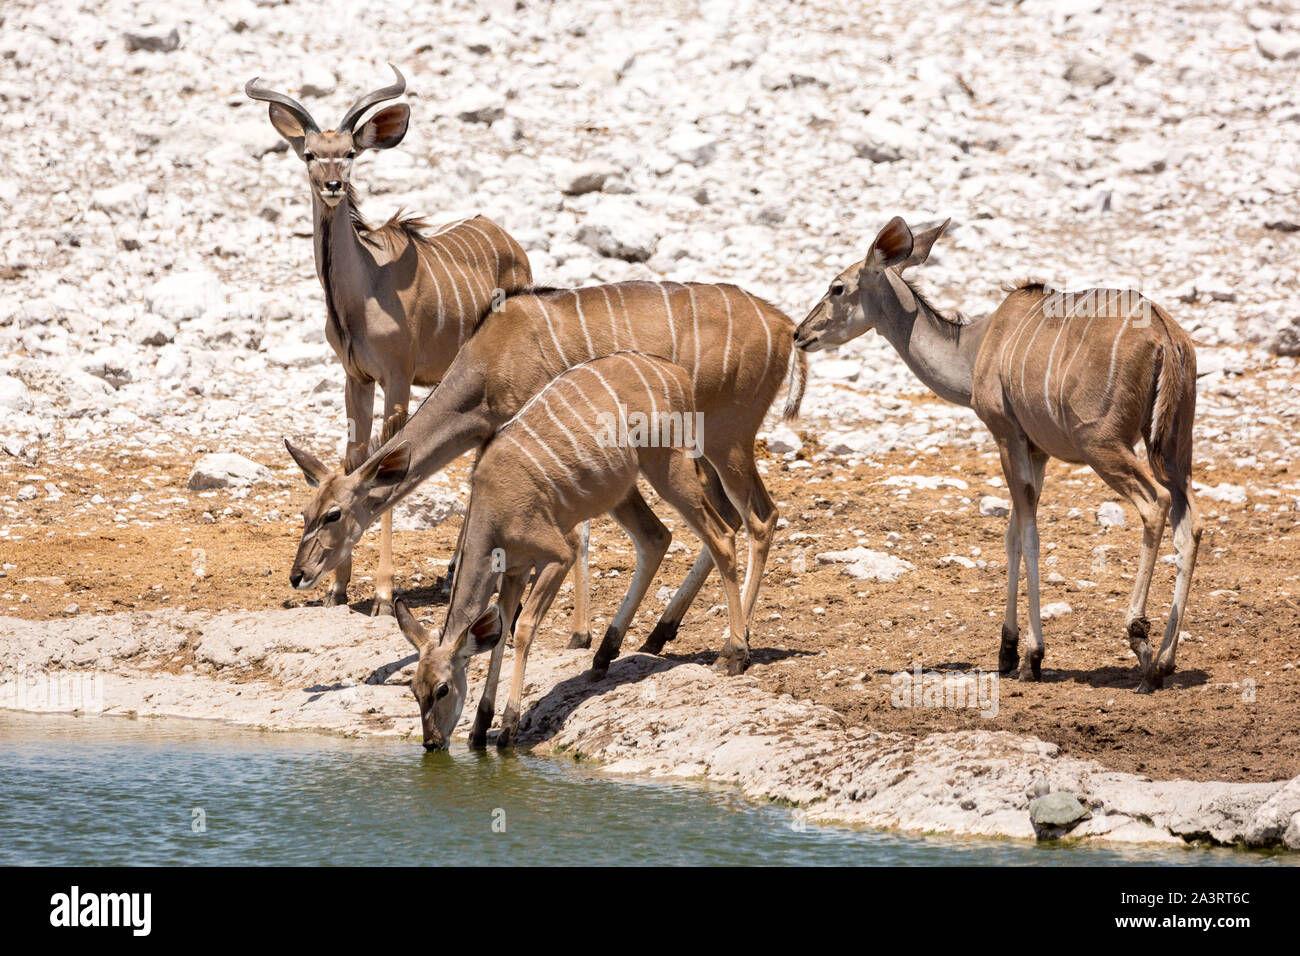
{"points": [[114, 791]]}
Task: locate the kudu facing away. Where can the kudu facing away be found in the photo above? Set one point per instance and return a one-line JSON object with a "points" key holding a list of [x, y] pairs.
{"points": [[1076, 376], [573, 452], [735, 347], [398, 304]]}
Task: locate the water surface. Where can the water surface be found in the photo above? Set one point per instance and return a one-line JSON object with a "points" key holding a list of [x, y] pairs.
{"points": [[107, 790]]}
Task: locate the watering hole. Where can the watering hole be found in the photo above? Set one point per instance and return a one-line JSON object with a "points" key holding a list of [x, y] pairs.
{"points": [[102, 791]]}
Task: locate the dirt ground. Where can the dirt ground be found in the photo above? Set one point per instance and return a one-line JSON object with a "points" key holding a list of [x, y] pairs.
{"points": [[1231, 710]]}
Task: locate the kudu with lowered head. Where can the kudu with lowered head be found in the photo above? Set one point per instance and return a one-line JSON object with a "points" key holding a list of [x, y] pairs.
{"points": [[398, 303], [736, 348], [1079, 376], [573, 452]]}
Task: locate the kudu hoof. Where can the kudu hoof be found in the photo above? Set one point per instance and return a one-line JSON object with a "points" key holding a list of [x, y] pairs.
{"points": [[1009, 652], [333, 599], [1031, 668], [478, 733], [661, 635], [1150, 684], [509, 730], [731, 665], [380, 608], [580, 642]]}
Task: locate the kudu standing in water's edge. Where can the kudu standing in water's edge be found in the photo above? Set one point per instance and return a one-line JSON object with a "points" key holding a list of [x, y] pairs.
{"points": [[1077, 376], [398, 304]]}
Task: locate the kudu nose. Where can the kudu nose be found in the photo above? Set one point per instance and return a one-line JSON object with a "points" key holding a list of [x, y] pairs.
{"points": [[334, 185], [295, 578]]}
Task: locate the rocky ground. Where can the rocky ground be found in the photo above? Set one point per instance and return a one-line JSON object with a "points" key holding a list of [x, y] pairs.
{"points": [[158, 303]]}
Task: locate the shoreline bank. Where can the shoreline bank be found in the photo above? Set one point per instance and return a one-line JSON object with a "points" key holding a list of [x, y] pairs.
{"points": [[334, 671]]}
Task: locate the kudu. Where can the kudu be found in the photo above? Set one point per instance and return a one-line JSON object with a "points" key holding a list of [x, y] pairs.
{"points": [[1076, 376], [398, 303], [736, 348], [573, 452]]}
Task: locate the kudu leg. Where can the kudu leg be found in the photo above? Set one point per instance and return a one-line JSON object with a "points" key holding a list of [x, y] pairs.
{"points": [[671, 620], [549, 579], [678, 480], [359, 406], [582, 590], [1009, 651], [651, 540], [1187, 541], [396, 398], [1024, 469], [509, 595], [1124, 472]]}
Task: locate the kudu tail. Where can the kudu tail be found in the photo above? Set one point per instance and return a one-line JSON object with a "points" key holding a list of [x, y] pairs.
{"points": [[1169, 443], [796, 382]]}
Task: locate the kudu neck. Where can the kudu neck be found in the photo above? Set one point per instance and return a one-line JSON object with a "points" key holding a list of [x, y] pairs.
{"points": [[939, 353]]}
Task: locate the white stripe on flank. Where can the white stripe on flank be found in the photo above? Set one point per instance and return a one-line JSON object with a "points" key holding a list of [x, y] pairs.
{"points": [[601, 378], [595, 409], [613, 319], [695, 324], [726, 349], [546, 314], [1114, 351], [460, 306], [577, 450], [582, 320], [654, 404], [627, 315], [471, 257], [496, 251], [672, 328], [1047, 375], [428, 267], [1064, 374], [538, 469], [566, 472], [1006, 358], [766, 329]]}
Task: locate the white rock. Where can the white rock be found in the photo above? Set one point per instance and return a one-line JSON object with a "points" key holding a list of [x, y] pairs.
{"points": [[991, 507], [783, 439], [882, 140], [575, 179], [851, 443], [692, 145], [1278, 46], [317, 80], [187, 295], [14, 395], [428, 506], [478, 104], [1227, 493], [866, 565], [1055, 609], [617, 227], [226, 471], [154, 39], [124, 201], [1110, 515]]}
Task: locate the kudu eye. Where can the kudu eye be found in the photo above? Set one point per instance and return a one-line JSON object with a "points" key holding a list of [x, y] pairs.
{"points": [[331, 516], [837, 288], [352, 154], [308, 157], [441, 691]]}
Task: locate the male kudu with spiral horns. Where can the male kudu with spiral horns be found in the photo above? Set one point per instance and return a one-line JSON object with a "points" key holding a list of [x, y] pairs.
{"points": [[399, 303]]}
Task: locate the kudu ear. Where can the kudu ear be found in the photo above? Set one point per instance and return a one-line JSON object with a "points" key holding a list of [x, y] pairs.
{"points": [[413, 629], [288, 126], [922, 242], [483, 634], [385, 129], [312, 468], [891, 247], [390, 469]]}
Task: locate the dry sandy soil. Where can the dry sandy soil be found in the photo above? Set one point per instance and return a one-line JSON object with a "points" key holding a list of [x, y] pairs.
{"points": [[1231, 711]]}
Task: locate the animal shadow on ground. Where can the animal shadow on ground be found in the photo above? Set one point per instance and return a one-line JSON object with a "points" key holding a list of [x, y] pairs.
{"points": [[1112, 677], [540, 721]]}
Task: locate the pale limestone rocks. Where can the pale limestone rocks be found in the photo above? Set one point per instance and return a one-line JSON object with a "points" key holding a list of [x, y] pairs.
{"points": [[225, 471]]}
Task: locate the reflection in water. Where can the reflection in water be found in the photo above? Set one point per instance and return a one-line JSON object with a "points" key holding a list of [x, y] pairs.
{"points": [[112, 791]]}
